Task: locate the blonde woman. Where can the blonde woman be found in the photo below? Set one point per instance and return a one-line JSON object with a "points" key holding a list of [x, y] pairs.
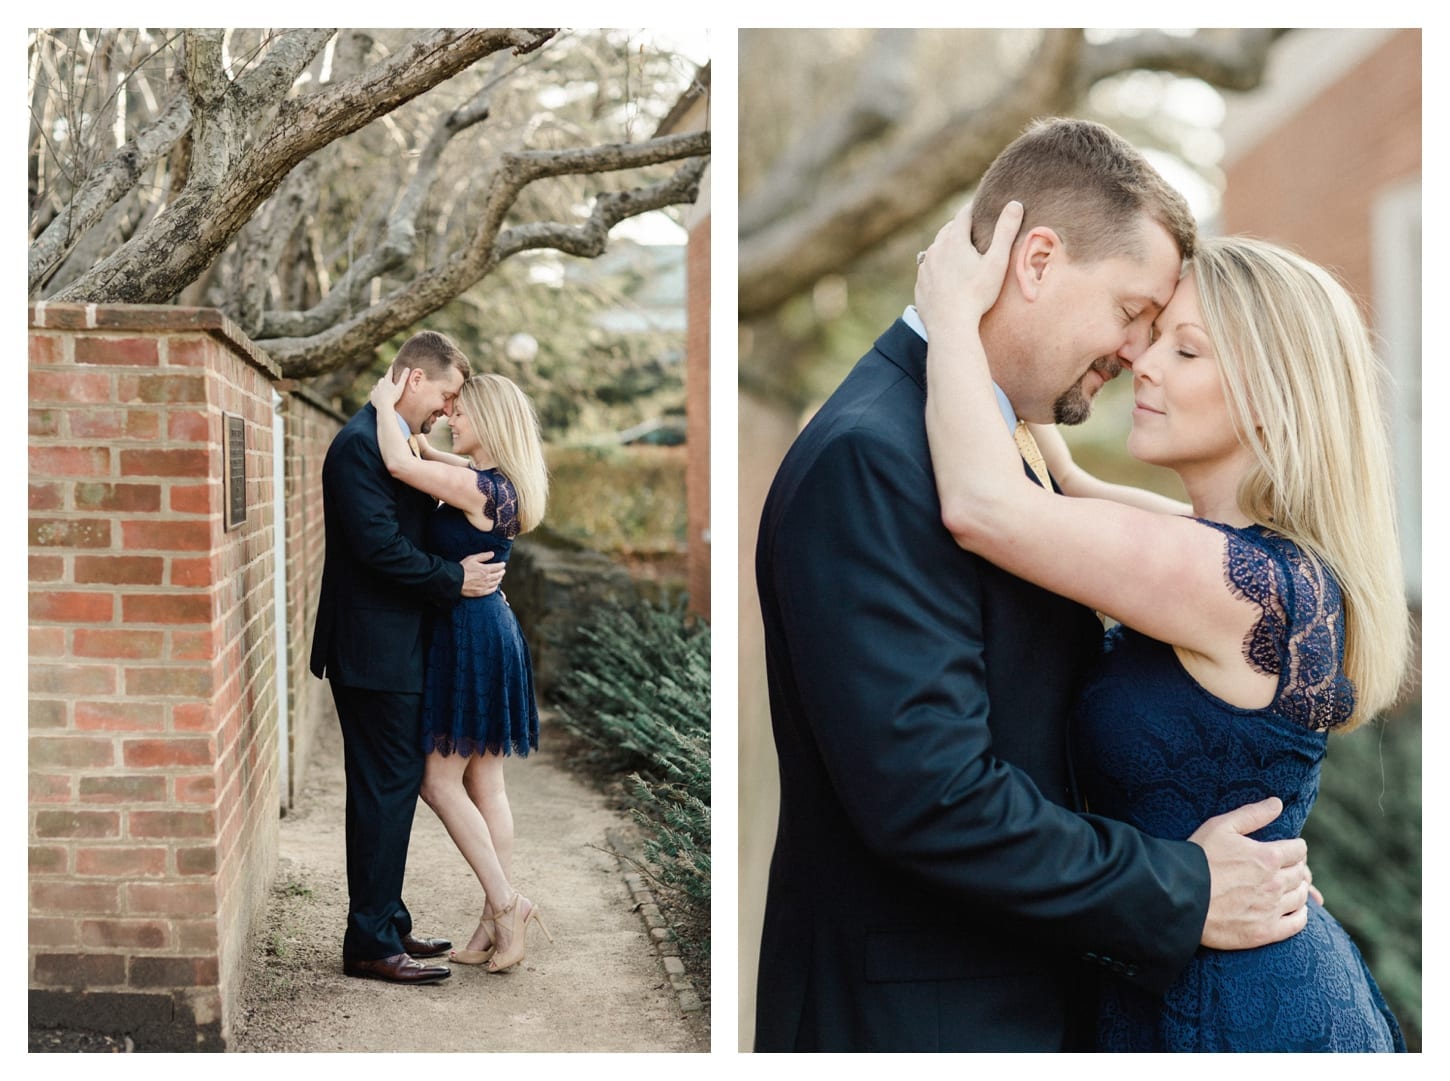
{"points": [[478, 699], [1269, 618]]}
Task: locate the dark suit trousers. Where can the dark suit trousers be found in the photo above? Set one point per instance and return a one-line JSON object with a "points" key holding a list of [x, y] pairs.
{"points": [[384, 772]]}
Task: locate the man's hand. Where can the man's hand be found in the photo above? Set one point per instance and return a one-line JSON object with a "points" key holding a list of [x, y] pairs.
{"points": [[480, 577], [1257, 889]]}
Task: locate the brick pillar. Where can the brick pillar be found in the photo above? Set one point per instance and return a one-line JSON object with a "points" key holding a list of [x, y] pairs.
{"points": [[152, 746], [697, 414]]}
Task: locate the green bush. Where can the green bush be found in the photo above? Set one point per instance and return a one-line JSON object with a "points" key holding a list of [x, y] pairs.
{"points": [[619, 499], [638, 695]]}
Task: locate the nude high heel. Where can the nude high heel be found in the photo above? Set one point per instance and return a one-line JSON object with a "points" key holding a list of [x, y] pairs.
{"points": [[518, 931], [476, 957]]}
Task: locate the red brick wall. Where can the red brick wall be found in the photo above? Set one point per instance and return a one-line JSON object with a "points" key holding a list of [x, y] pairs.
{"points": [[697, 416], [1310, 184], [153, 699]]}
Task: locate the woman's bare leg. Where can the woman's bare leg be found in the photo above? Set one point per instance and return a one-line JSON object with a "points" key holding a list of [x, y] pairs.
{"points": [[484, 781], [444, 791]]}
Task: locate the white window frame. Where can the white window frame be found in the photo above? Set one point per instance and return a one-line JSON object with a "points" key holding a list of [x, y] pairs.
{"points": [[1397, 243]]}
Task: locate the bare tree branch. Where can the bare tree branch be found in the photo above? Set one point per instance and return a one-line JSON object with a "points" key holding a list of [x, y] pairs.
{"points": [[106, 185], [881, 98], [265, 239], [213, 128], [308, 124], [216, 197], [1231, 60], [911, 180], [301, 357], [399, 244], [273, 78], [155, 265], [906, 183], [610, 208]]}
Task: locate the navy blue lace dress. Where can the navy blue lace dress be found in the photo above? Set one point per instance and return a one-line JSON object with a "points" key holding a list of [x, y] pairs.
{"points": [[1155, 749], [478, 696]]}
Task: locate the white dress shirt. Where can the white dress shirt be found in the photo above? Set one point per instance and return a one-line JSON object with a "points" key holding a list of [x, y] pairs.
{"points": [[912, 319]]}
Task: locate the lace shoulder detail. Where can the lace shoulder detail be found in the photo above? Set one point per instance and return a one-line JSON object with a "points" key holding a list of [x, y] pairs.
{"points": [[500, 502], [1299, 636]]}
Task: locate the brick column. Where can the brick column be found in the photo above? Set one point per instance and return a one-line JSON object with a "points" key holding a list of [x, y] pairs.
{"points": [[152, 747], [697, 414]]}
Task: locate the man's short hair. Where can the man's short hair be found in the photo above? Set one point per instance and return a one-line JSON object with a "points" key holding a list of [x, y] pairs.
{"points": [[1085, 182], [433, 352]]}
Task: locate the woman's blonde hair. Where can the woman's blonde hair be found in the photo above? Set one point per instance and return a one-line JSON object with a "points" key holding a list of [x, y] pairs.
{"points": [[508, 428], [1305, 389]]}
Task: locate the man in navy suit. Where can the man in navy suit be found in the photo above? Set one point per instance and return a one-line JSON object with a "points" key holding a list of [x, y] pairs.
{"points": [[378, 584], [935, 884]]}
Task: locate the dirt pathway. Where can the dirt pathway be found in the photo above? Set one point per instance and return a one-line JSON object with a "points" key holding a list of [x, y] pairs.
{"points": [[598, 987]]}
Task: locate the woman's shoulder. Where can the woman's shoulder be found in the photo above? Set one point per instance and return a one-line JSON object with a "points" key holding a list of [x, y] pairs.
{"points": [[492, 479], [1259, 559], [500, 501], [1300, 634]]}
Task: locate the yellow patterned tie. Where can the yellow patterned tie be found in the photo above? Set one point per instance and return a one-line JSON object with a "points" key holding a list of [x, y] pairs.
{"points": [[1028, 446], [413, 446]]}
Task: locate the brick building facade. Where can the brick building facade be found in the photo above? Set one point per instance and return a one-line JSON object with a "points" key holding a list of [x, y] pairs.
{"points": [[1327, 159], [157, 708], [692, 113]]}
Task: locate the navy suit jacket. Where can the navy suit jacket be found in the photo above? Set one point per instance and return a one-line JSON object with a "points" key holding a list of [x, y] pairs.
{"points": [[377, 581], [932, 885]]}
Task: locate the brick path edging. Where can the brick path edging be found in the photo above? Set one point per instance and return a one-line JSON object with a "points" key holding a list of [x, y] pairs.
{"points": [[661, 936]]}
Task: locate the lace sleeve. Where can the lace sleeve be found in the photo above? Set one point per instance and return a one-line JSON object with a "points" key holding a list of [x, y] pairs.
{"points": [[500, 502], [1299, 635]]}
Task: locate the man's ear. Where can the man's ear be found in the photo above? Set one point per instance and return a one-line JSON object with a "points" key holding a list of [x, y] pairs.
{"points": [[1037, 253]]}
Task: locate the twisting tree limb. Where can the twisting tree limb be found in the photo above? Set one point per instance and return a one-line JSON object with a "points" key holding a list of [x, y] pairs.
{"points": [[588, 241], [1232, 60], [880, 99], [905, 183], [106, 186], [264, 240], [301, 357], [788, 254], [228, 183], [399, 243], [216, 200]]}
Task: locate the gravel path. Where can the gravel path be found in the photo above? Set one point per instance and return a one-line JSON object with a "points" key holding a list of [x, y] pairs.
{"points": [[598, 987]]}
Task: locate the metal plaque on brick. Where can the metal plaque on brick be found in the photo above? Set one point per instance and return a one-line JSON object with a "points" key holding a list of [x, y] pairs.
{"points": [[234, 447]]}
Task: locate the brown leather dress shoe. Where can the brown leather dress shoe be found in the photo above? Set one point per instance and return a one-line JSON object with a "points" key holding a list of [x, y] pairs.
{"points": [[426, 947], [399, 968]]}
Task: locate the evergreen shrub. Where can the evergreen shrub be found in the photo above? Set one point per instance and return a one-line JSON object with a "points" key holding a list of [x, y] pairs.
{"points": [[638, 695]]}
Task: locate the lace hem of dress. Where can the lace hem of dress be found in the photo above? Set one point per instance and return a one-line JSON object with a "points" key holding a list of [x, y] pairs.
{"points": [[1299, 635], [467, 747]]}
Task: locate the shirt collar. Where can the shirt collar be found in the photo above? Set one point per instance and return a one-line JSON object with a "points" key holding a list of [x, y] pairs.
{"points": [[403, 424], [913, 319]]}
